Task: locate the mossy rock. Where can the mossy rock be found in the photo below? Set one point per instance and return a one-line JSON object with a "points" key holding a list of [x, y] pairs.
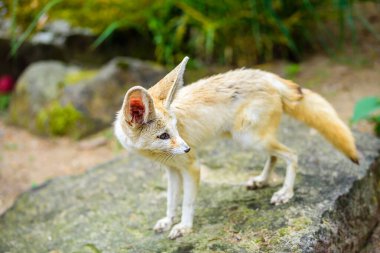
{"points": [[37, 86], [76, 77], [113, 207], [59, 120], [35, 104]]}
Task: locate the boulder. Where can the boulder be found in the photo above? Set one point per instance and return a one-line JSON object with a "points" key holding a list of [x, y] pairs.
{"points": [[36, 88], [113, 207], [100, 97], [52, 98]]}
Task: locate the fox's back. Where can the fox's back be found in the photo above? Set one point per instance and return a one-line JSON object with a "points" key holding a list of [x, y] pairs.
{"points": [[227, 87], [208, 106]]}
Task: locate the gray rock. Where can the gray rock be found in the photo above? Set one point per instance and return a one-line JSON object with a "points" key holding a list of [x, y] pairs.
{"points": [[61, 100], [113, 207], [100, 97], [373, 244], [36, 88]]}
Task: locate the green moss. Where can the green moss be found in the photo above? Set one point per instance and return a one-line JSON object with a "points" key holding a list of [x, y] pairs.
{"points": [[89, 248], [77, 76], [292, 70], [283, 231], [300, 223], [295, 225], [57, 120], [124, 65]]}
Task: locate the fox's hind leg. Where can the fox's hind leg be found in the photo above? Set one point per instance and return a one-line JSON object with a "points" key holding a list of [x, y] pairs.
{"points": [[265, 177], [256, 126], [277, 149], [286, 192]]}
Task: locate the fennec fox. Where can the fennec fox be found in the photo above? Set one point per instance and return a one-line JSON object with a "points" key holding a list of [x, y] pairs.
{"points": [[168, 121]]}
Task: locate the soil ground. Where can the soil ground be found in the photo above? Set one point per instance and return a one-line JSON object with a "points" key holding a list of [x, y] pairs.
{"points": [[27, 161]]}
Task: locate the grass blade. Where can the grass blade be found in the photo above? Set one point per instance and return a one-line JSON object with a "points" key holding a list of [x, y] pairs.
{"points": [[108, 31], [17, 43], [13, 21]]}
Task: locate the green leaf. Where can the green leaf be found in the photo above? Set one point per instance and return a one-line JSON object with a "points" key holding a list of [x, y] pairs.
{"points": [[109, 30], [365, 108]]}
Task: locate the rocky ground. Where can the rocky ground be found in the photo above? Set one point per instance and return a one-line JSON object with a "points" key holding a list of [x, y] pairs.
{"points": [[113, 207], [28, 161]]}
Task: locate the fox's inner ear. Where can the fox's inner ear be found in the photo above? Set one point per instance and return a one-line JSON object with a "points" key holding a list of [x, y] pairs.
{"points": [[166, 88], [138, 107], [136, 110]]}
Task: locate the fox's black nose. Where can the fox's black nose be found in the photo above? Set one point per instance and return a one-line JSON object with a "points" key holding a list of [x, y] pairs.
{"points": [[187, 150]]}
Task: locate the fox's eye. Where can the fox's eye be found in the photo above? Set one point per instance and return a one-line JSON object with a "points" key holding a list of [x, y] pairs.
{"points": [[164, 136]]}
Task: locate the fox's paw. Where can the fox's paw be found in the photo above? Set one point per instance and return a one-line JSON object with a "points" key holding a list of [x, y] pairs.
{"points": [[179, 230], [163, 224], [256, 182], [282, 196]]}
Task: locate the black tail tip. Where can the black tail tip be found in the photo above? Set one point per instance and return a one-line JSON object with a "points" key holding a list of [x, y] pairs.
{"points": [[355, 160]]}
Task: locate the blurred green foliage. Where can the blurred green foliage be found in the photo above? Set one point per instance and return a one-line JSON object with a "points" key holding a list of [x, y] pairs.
{"points": [[58, 120], [18, 40], [292, 70], [4, 101], [76, 77], [226, 31], [368, 108]]}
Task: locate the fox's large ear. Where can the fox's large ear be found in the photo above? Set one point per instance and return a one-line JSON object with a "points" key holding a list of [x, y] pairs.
{"points": [[166, 88], [138, 107]]}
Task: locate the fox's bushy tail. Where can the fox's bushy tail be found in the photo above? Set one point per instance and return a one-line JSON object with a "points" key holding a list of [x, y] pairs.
{"points": [[316, 112]]}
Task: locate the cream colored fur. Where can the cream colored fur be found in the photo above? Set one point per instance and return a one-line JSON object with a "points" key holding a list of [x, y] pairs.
{"points": [[244, 104]]}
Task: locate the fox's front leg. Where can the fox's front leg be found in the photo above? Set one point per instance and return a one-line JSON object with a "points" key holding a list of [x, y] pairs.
{"points": [[174, 186], [190, 178]]}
